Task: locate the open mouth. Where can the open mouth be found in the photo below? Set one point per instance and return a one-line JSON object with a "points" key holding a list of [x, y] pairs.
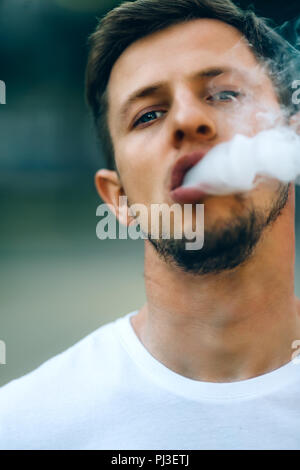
{"points": [[178, 193], [182, 166]]}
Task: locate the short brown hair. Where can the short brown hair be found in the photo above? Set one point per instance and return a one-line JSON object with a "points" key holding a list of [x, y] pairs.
{"points": [[134, 20]]}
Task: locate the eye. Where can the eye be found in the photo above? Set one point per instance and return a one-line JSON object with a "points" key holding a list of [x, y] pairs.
{"points": [[224, 96], [147, 117]]}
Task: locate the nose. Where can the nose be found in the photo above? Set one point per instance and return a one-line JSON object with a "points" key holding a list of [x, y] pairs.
{"points": [[191, 120]]}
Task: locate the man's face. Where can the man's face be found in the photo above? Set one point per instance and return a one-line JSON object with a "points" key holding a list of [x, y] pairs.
{"points": [[186, 89]]}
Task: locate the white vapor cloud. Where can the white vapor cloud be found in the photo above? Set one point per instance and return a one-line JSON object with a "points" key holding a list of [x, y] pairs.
{"points": [[243, 162]]}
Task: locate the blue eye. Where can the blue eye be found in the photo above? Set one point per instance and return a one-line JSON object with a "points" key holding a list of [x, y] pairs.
{"points": [[224, 96], [147, 117]]}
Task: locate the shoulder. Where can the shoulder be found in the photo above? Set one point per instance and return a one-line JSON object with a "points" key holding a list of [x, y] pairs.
{"points": [[70, 365], [62, 389]]}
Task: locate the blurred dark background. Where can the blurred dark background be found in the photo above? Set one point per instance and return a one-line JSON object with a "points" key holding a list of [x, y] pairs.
{"points": [[58, 282]]}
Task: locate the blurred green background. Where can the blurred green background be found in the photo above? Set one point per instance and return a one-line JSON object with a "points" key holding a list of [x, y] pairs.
{"points": [[58, 282]]}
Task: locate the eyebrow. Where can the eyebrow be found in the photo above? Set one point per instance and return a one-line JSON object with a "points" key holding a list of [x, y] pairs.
{"points": [[153, 89]]}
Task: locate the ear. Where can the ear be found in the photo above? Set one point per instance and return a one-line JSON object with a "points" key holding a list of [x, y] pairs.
{"points": [[110, 190], [295, 122]]}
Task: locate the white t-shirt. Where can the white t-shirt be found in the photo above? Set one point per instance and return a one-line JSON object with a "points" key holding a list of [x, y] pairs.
{"points": [[108, 392]]}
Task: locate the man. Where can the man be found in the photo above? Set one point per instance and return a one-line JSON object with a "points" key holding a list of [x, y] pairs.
{"points": [[206, 362]]}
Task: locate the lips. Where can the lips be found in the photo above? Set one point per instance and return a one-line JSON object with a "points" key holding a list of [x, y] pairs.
{"points": [[177, 192]]}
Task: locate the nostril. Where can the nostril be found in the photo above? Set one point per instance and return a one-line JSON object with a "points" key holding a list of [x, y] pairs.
{"points": [[204, 129], [179, 134]]}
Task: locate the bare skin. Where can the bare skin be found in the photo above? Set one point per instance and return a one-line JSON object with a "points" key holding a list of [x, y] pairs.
{"points": [[219, 328]]}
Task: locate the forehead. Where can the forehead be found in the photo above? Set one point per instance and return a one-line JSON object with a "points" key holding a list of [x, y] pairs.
{"points": [[175, 52]]}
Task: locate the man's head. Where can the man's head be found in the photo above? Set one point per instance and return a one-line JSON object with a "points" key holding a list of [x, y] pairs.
{"points": [[181, 77], [134, 20]]}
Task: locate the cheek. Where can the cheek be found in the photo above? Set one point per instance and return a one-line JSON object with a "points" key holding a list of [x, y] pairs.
{"points": [[138, 163], [266, 193], [249, 118]]}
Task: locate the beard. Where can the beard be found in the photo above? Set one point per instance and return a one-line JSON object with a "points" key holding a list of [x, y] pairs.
{"points": [[225, 247]]}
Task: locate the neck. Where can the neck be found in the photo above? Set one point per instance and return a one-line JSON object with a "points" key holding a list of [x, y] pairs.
{"points": [[226, 327]]}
